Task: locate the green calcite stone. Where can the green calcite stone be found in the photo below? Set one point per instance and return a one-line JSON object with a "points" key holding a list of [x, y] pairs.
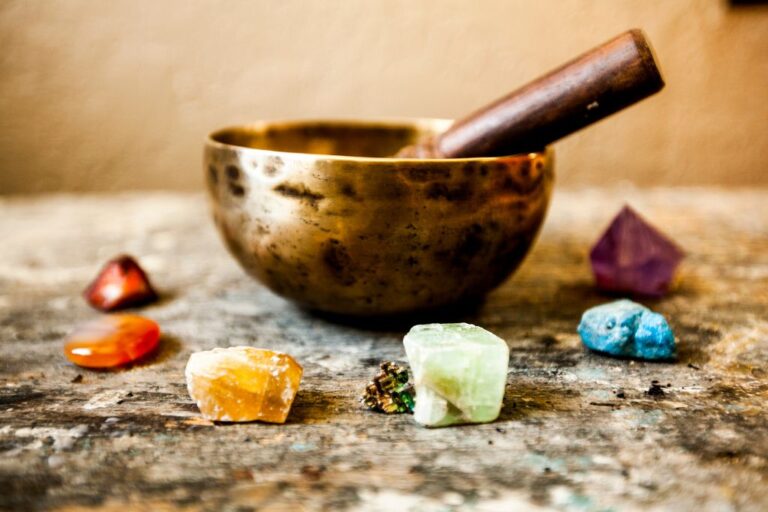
{"points": [[459, 371]]}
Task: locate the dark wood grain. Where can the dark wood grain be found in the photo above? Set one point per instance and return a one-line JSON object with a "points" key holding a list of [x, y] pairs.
{"points": [[602, 81], [578, 431]]}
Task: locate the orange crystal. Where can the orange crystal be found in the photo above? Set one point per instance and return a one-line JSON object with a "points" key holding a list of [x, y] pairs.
{"points": [[243, 384], [112, 340], [120, 284]]}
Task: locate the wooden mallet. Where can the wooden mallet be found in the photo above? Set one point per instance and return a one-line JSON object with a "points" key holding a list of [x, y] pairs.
{"points": [[600, 82]]}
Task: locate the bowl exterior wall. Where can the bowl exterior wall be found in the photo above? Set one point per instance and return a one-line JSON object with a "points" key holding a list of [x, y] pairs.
{"points": [[377, 236]]}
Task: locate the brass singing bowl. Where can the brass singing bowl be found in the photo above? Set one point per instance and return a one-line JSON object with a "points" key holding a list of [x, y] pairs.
{"points": [[318, 212]]}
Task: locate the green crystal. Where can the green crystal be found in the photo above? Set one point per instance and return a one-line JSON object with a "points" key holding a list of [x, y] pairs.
{"points": [[389, 391], [459, 371]]}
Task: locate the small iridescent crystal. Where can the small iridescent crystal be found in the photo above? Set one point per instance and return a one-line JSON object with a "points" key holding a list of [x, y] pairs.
{"points": [[389, 391]]}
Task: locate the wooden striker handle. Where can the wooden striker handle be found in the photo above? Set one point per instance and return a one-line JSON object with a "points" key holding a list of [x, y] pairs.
{"points": [[600, 82]]}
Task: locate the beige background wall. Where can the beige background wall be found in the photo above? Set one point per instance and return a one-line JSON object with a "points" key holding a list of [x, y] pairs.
{"points": [[118, 94]]}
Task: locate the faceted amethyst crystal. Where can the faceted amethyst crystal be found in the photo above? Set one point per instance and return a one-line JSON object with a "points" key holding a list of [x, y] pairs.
{"points": [[633, 257]]}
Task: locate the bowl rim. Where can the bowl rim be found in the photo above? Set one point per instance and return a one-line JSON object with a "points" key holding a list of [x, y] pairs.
{"points": [[436, 124]]}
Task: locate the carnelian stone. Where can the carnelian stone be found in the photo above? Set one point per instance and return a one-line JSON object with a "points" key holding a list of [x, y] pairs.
{"points": [[121, 283], [112, 340], [243, 383]]}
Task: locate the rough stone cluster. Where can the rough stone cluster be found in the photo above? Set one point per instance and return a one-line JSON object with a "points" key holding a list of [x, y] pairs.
{"points": [[627, 329], [389, 391]]}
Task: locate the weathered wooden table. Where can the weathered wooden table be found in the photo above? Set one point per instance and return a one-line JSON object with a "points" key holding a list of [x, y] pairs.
{"points": [[578, 431]]}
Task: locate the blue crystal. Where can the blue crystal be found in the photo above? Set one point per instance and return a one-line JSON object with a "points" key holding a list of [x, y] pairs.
{"points": [[627, 329]]}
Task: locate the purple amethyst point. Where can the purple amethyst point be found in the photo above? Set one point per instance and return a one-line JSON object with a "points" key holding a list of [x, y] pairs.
{"points": [[634, 257]]}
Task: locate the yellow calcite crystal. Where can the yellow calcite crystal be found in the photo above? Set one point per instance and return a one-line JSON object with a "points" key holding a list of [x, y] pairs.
{"points": [[243, 384]]}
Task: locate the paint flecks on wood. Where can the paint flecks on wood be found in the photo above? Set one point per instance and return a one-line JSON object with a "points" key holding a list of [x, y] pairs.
{"points": [[578, 431]]}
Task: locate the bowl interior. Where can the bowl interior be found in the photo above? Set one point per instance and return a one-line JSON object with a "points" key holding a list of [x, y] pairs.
{"points": [[342, 138]]}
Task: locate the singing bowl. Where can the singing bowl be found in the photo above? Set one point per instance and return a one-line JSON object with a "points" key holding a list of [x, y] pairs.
{"points": [[318, 212]]}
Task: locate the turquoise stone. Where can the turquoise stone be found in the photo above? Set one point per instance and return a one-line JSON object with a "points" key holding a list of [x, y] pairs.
{"points": [[627, 329], [459, 372]]}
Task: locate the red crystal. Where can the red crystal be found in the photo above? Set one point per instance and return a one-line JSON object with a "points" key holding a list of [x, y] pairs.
{"points": [[121, 283], [634, 257]]}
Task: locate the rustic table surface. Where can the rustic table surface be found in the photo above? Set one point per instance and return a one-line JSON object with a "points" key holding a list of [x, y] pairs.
{"points": [[578, 431]]}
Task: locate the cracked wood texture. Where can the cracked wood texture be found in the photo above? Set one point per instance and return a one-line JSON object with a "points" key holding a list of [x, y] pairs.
{"points": [[578, 431]]}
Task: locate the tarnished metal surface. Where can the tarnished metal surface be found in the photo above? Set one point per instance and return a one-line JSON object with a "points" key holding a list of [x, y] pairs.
{"points": [[368, 235]]}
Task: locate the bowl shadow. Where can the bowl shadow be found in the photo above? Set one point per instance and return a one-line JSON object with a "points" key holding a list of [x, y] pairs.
{"points": [[464, 311]]}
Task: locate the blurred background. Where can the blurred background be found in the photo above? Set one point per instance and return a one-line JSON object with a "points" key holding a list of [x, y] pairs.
{"points": [[119, 94]]}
